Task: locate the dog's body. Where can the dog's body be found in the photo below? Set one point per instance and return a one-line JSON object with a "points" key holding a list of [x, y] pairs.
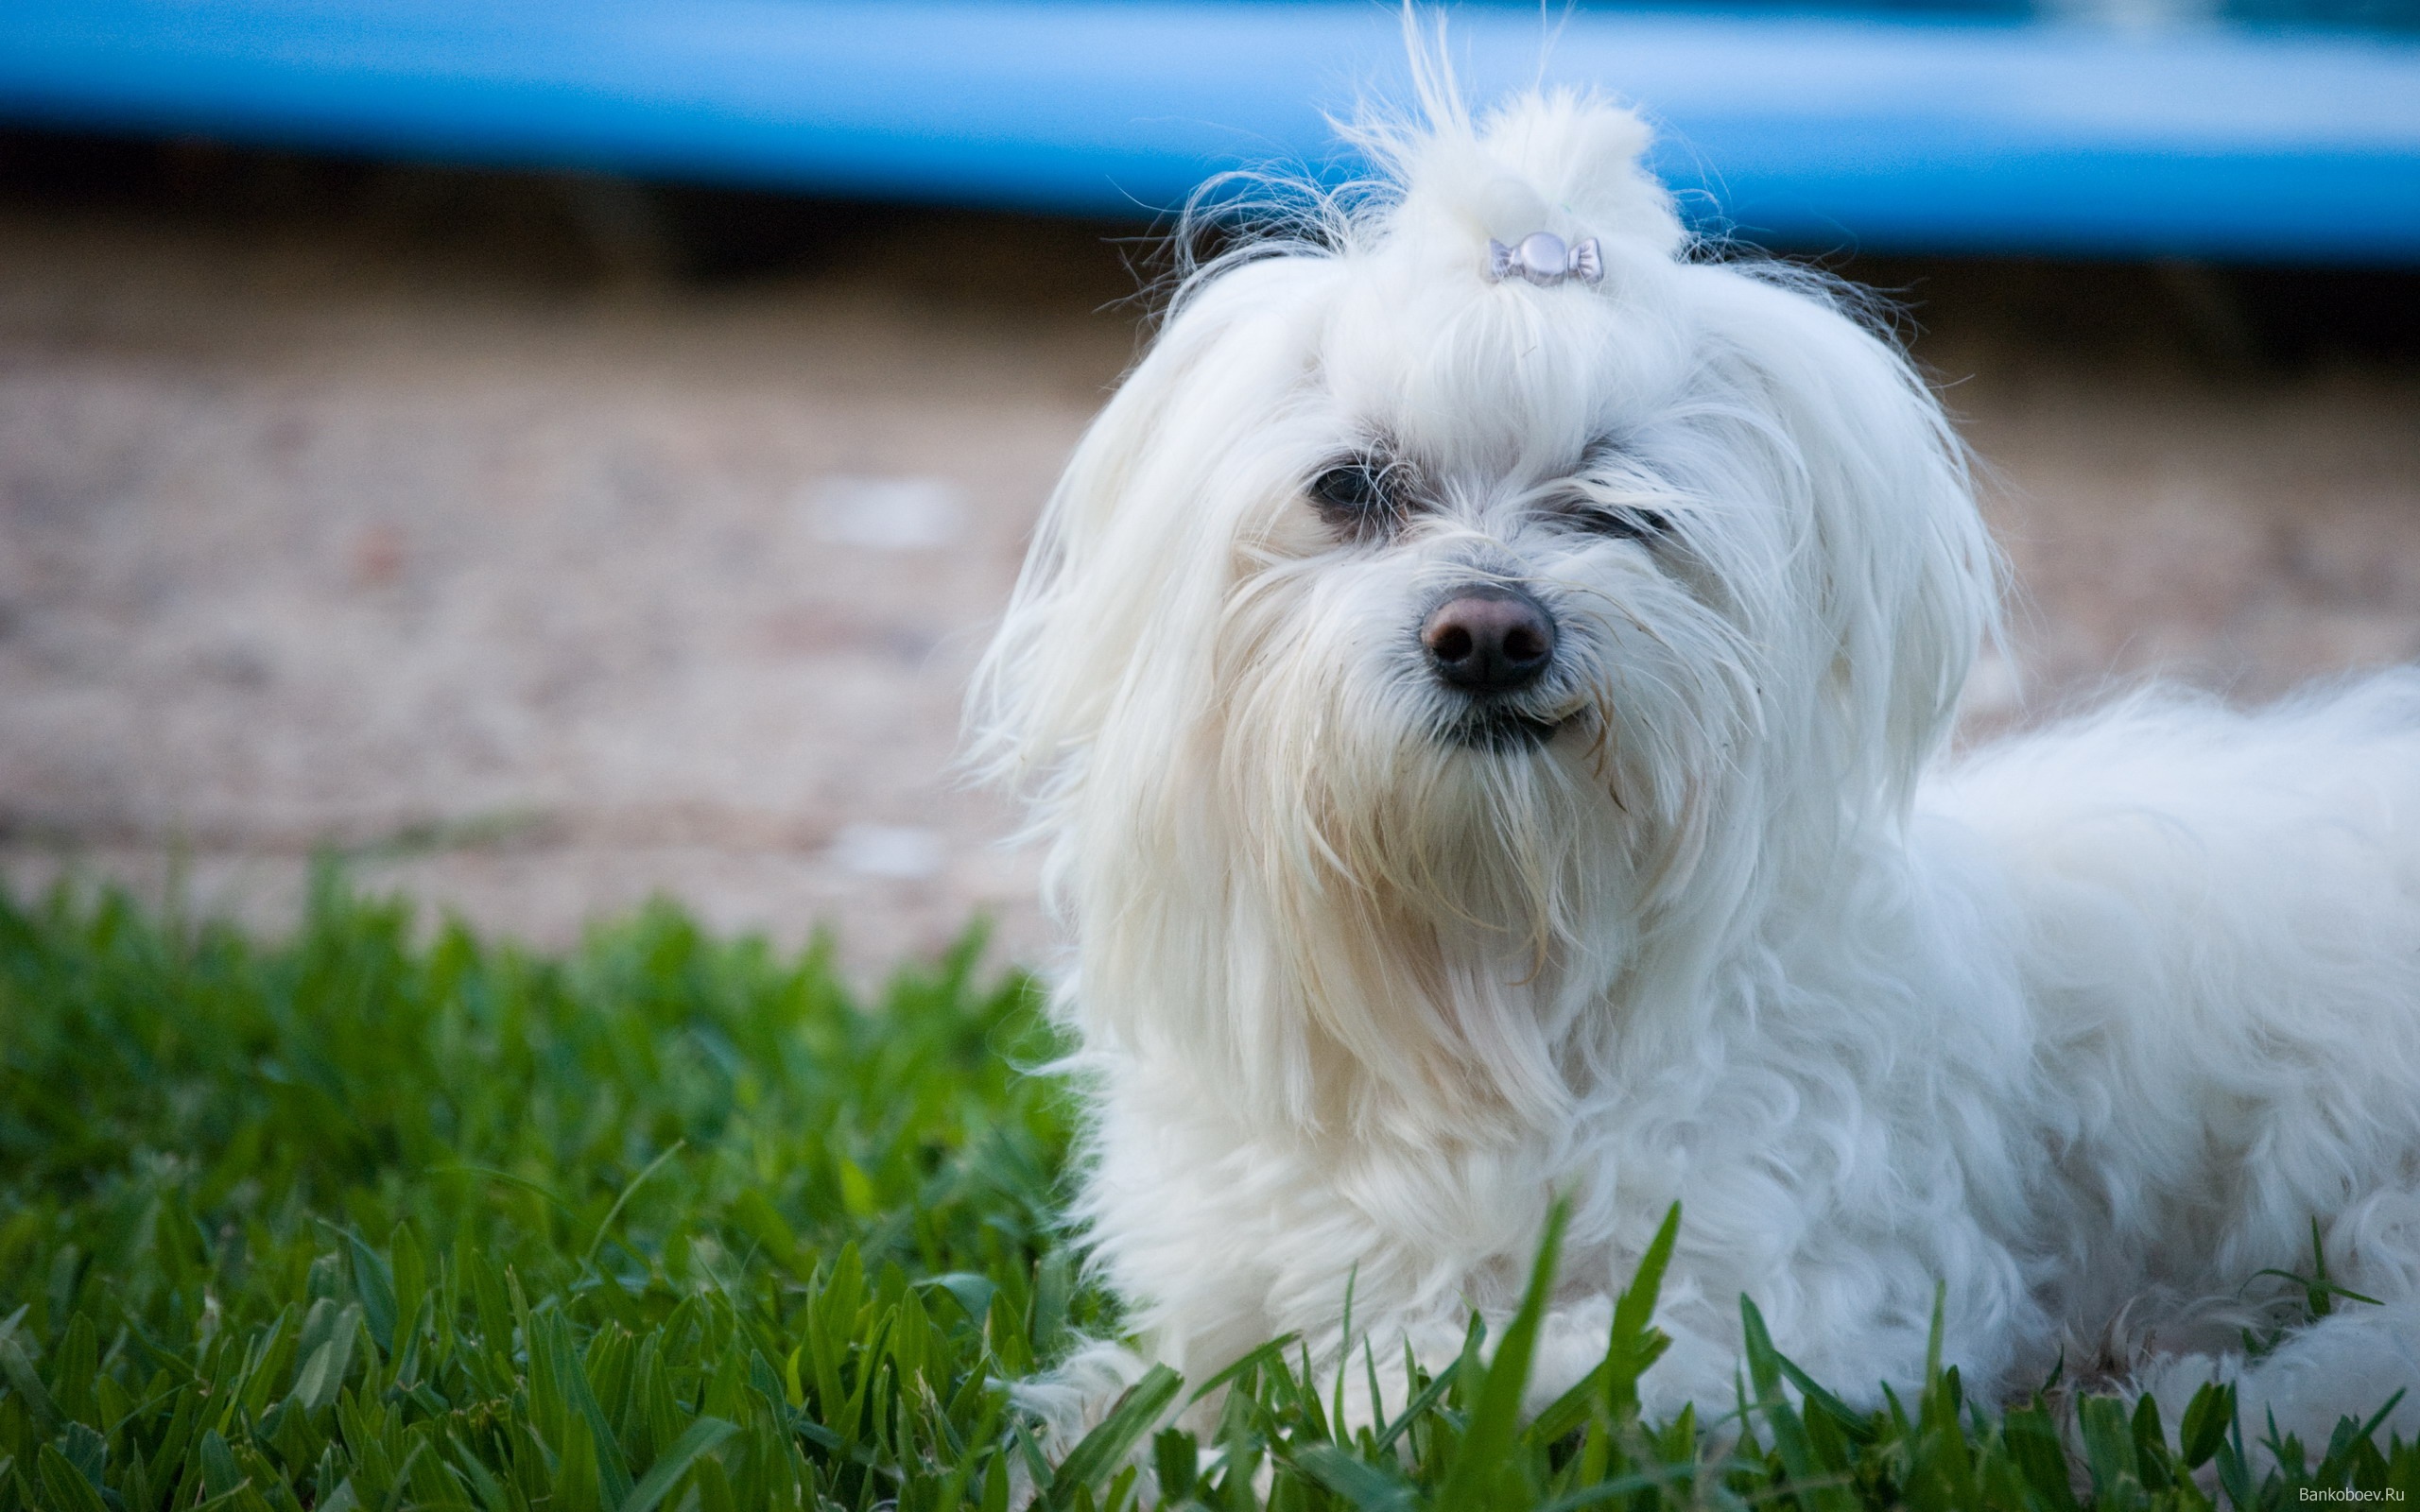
{"points": [[1485, 726]]}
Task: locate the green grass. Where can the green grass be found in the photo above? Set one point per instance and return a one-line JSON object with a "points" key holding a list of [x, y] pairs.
{"points": [[364, 1221]]}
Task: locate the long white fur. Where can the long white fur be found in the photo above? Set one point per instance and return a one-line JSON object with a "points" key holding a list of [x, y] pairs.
{"points": [[2087, 1029]]}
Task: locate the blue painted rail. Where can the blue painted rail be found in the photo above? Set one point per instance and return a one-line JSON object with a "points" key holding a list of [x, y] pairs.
{"points": [[1794, 129]]}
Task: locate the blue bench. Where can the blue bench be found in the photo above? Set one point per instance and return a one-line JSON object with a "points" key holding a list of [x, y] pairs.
{"points": [[1876, 131]]}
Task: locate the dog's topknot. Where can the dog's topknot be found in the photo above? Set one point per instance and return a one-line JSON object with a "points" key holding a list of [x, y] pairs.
{"points": [[1558, 160], [1554, 159], [1443, 182]]}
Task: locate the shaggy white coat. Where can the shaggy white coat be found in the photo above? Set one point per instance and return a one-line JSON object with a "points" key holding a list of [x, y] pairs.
{"points": [[2090, 1026]]}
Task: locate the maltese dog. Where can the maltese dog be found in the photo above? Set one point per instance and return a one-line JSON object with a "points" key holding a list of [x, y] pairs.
{"points": [[1484, 679]]}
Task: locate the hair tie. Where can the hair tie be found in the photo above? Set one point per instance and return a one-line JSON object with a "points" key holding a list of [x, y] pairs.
{"points": [[1543, 259]]}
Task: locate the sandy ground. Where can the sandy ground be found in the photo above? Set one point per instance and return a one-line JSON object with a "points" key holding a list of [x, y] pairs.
{"points": [[538, 584]]}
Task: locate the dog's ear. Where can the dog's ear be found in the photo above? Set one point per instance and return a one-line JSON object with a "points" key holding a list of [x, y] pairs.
{"points": [[1909, 583], [1136, 549], [1049, 675]]}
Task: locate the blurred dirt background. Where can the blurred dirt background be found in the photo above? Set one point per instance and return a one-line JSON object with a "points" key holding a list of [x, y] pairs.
{"points": [[539, 544]]}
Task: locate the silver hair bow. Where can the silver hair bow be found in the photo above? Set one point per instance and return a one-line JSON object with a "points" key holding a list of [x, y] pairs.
{"points": [[1543, 259]]}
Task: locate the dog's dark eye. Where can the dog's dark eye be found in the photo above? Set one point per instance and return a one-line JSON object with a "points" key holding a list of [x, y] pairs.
{"points": [[1352, 489], [1355, 496], [1628, 524]]}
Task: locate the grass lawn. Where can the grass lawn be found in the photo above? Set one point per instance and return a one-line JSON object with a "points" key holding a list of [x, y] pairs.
{"points": [[361, 1221]]}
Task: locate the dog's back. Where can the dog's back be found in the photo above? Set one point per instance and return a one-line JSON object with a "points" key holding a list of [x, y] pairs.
{"points": [[2221, 940]]}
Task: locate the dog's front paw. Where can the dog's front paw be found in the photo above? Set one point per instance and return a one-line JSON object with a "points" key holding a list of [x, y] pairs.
{"points": [[2350, 1365], [1063, 1405]]}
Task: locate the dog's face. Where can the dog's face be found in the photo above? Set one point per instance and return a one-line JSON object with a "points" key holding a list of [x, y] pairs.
{"points": [[1453, 638]]}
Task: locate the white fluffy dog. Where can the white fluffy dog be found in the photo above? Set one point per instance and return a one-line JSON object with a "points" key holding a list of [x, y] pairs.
{"points": [[1489, 724]]}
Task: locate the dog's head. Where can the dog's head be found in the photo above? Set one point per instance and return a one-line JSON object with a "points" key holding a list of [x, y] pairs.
{"points": [[1423, 643]]}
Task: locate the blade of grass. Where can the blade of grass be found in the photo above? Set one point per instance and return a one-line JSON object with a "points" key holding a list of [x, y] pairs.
{"points": [[1480, 1460], [701, 1438]]}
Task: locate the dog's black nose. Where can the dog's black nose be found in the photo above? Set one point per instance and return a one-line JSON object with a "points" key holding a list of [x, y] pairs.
{"points": [[1489, 638]]}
